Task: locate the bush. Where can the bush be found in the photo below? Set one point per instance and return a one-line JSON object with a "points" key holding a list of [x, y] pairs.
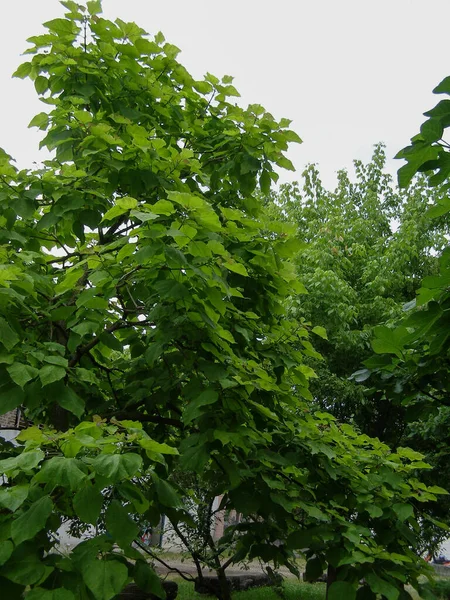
{"points": [[441, 588]]}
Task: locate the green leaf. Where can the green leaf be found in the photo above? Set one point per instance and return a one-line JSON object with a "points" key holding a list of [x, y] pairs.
{"points": [[264, 182], [195, 458], [443, 87], [299, 540], [435, 489], [87, 503], [61, 471], [153, 446], [51, 373], [380, 586], [62, 313], [440, 208], [374, 511], [340, 590], [57, 360], [320, 331], [153, 352], [419, 157], [131, 492], [116, 467], [146, 578], [30, 433], [121, 206], [10, 398], [27, 461], [6, 549], [314, 569], [361, 375], [21, 373], [291, 136], [40, 120], [71, 279], [119, 524], [8, 337], [5, 358], [23, 70], [43, 594], [442, 109], [194, 407], [94, 7], [68, 399], [166, 493], [285, 163], [32, 521], [105, 578], [409, 453], [143, 216], [385, 342], [41, 84], [431, 130], [264, 410], [24, 567], [403, 511], [163, 207], [13, 497], [85, 328], [61, 26], [169, 288], [236, 267]]}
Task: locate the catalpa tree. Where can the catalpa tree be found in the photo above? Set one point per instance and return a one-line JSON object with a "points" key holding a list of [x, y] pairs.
{"points": [[144, 333]]}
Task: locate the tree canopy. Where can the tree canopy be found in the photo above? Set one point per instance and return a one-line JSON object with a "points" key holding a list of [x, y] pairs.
{"points": [[145, 330], [366, 246]]}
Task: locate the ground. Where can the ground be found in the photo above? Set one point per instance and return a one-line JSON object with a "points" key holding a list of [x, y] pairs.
{"points": [[187, 566], [293, 589]]}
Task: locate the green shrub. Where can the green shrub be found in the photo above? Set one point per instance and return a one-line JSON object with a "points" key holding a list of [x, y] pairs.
{"points": [[441, 588], [293, 590]]}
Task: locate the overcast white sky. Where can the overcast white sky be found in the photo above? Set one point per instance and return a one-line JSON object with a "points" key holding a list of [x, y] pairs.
{"points": [[349, 73]]}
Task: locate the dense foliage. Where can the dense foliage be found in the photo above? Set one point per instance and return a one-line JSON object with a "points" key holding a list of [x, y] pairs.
{"points": [[367, 246], [145, 332]]}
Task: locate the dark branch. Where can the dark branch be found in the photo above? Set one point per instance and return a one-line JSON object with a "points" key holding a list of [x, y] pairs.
{"points": [[156, 557], [137, 416], [82, 350]]}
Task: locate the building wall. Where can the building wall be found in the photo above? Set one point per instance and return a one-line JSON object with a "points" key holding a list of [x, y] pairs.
{"points": [[10, 419], [9, 423]]}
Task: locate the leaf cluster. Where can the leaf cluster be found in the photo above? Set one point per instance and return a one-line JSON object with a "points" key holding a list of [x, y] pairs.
{"points": [[144, 331]]}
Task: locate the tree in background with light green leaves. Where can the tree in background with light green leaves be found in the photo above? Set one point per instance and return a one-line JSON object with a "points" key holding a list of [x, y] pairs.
{"points": [[367, 246]]}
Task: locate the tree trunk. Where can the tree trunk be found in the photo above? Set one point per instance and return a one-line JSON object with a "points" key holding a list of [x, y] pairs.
{"points": [[224, 584], [331, 578], [59, 418]]}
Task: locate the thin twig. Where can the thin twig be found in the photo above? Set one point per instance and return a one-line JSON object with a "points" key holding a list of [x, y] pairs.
{"points": [[155, 557]]}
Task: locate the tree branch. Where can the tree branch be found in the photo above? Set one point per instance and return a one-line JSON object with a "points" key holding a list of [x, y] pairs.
{"points": [[137, 416], [82, 350], [156, 557]]}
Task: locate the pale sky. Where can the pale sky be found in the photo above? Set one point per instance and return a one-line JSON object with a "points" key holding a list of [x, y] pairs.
{"points": [[349, 73]]}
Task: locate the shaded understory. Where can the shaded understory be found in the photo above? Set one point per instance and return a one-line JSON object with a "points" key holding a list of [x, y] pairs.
{"points": [[292, 591]]}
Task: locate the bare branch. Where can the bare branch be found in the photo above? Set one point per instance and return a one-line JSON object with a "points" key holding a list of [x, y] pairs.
{"points": [[182, 574]]}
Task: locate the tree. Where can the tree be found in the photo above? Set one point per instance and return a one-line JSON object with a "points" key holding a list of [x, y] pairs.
{"points": [[144, 330], [368, 245]]}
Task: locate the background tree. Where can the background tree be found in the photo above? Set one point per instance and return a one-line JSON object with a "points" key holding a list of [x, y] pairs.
{"points": [[367, 246]]}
